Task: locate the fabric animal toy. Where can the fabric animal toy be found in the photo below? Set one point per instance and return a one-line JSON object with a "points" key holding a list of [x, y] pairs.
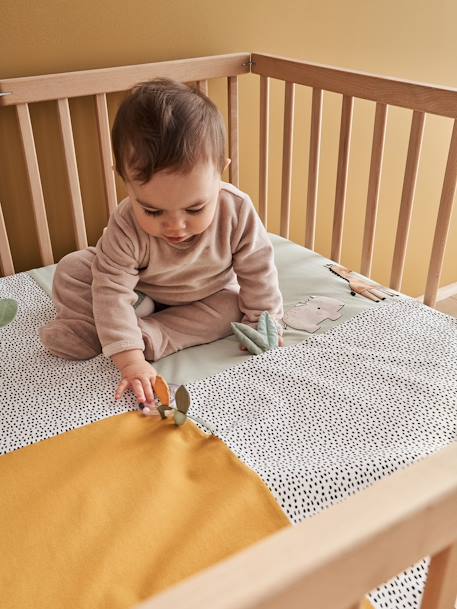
{"points": [[308, 314], [372, 291]]}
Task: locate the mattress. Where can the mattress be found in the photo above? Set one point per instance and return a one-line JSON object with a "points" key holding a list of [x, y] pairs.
{"points": [[328, 415]]}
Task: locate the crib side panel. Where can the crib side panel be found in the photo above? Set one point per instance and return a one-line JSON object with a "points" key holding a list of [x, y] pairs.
{"points": [[421, 99], [60, 89]]}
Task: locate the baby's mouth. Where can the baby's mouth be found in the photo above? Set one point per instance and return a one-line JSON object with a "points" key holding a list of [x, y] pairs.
{"points": [[177, 239]]}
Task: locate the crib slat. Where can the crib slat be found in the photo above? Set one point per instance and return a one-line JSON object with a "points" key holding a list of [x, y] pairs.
{"points": [[441, 587], [107, 156], [313, 167], [341, 178], [233, 130], [33, 172], [264, 143], [203, 86], [6, 260], [442, 223], [72, 169], [377, 151], [407, 198], [289, 98]]}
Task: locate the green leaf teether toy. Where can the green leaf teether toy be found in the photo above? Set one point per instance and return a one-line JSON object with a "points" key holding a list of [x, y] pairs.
{"points": [[259, 340], [181, 399]]}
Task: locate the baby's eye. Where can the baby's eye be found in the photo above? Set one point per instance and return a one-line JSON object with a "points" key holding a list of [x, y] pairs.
{"points": [[195, 211], [150, 212]]}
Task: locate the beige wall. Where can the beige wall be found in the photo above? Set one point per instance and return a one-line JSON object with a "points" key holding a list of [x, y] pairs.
{"points": [[406, 39]]}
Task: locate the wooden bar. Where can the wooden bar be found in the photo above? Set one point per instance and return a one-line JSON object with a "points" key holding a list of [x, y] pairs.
{"points": [[313, 167], [33, 173], [441, 588], [442, 223], [289, 99], [108, 80], [407, 198], [105, 147], [264, 145], [337, 556], [341, 178], [6, 261], [203, 86], [72, 170], [233, 130], [390, 91], [377, 151]]}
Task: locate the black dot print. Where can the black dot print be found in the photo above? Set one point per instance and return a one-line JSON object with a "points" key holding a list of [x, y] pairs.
{"points": [[318, 421], [323, 419], [42, 395]]}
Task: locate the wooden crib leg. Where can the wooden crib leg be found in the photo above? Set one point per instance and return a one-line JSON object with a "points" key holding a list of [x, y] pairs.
{"points": [[441, 588]]}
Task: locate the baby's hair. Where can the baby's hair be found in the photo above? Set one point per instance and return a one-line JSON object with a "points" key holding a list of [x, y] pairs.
{"points": [[164, 124]]}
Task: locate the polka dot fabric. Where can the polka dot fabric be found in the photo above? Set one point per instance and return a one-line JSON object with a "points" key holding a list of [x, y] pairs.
{"points": [[42, 395], [320, 420]]}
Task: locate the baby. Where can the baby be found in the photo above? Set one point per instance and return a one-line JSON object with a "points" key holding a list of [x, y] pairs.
{"points": [[187, 244]]}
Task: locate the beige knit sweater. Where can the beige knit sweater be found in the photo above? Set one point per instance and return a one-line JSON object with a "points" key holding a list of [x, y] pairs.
{"points": [[234, 251]]}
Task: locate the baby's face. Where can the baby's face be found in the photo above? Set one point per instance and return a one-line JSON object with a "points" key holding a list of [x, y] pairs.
{"points": [[174, 206]]}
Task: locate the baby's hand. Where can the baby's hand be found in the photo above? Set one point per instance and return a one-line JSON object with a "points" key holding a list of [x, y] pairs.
{"points": [[140, 377]]}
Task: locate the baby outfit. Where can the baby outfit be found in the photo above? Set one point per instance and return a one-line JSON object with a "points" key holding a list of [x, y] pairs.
{"points": [[199, 287]]}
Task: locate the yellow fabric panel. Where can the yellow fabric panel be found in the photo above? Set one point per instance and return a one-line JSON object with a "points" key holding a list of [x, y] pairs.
{"points": [[111, 513]]}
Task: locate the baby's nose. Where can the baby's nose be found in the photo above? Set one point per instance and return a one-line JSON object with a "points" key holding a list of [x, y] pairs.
{"points": [[176, 223]]}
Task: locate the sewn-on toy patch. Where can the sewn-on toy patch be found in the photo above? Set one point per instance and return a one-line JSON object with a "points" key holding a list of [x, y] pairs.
{"points": [[309, 314]]}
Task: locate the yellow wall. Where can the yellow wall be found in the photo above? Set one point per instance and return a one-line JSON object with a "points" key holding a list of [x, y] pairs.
{"points": [[405, 39]]}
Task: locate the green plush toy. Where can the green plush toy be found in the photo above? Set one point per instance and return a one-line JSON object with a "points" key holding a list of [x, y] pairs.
{"points": [[8, 310], [259, 340]]}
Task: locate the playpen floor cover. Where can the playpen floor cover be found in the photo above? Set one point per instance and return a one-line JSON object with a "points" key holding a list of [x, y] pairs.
{"points": [[314, 422]]}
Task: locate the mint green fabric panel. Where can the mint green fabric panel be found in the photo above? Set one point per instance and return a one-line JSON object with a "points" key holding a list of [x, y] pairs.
{"points": [[301, 273], [44, 276]]}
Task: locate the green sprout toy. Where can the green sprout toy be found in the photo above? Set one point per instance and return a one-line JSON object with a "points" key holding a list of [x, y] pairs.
{"points": [[259, 340], [182, 403]]}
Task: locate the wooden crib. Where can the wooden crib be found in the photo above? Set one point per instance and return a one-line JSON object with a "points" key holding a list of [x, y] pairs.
{"points": [[333, 559]]}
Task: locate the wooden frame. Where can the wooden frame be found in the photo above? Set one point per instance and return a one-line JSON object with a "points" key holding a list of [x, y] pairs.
{"points": [[335, 558], [419, 98]]}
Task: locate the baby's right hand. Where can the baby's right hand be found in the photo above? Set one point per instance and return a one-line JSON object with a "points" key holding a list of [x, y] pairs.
{"points": [[140, 377]]}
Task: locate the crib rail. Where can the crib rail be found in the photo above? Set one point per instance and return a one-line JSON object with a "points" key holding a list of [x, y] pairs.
{"points": [[331, 560], [420, 98], [31, 89]]}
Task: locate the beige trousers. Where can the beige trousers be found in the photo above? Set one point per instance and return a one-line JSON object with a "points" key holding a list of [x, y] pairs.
{"points": [[73, 334]]}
